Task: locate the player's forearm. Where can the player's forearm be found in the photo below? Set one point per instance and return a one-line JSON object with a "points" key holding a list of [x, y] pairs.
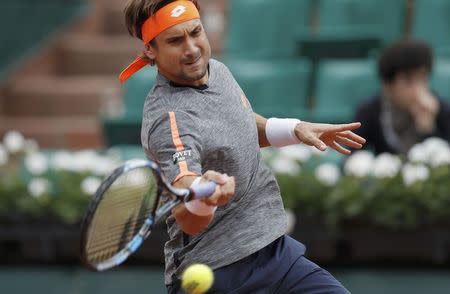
{"points": [[188, 222], [261, 126]]}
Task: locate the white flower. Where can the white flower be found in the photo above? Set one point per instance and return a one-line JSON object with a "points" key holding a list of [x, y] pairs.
{"points": [[298, 152], [359, 164], [31, 146], [14, 141], [3, 155], [38, 187], [426, 151], [438, 151], [115, 153], [435, 144], [413, 173], [418, 154], [440, 158], [84, 161], [36, 163], [386, 166], [62, 160], [285, 166], [90, 185], [104, 166], [328, 174]]}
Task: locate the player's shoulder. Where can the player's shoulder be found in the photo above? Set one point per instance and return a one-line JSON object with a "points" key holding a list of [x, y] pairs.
{"points": [[216, 63], [160, 115], [158, 126], [218, 66], [161, 99], [155, 102]]}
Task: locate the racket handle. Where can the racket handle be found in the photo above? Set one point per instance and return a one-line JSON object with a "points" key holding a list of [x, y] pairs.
{"points": [[203, 190]]}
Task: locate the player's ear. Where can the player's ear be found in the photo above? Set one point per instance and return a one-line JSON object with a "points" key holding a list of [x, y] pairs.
{"points": [[150, 51]]}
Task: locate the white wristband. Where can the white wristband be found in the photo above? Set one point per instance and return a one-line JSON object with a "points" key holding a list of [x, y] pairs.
{"points": [[199, 207], [280, 131]]}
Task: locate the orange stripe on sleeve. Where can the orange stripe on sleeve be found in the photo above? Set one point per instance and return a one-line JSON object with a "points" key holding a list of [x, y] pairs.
{"points": [[184, 171], [175, 134]]}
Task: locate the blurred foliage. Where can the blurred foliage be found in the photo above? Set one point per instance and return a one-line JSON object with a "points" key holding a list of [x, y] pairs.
{"points": [[49, 186], [384, 201], [64, 201], [383, 190]]}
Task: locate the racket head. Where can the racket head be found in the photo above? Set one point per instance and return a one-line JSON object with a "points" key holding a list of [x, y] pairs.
{"points": [[121, 214]]}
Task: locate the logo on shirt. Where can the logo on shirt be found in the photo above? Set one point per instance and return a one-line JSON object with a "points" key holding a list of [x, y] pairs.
{"points": [[178, 11], [181, 155]]}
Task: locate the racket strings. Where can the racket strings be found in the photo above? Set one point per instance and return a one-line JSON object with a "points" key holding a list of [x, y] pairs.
{"points": [[121, 213], [115, 229], [123, 239], [113, 241]]}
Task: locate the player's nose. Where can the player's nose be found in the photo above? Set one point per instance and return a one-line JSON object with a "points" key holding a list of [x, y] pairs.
{"points": [[191, 49]]}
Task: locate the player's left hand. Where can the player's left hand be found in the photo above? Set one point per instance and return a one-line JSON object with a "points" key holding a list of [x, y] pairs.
{"points": [[334, 136]]}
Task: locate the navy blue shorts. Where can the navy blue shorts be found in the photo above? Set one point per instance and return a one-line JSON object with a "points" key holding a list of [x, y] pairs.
{"points": [[280, 267]]}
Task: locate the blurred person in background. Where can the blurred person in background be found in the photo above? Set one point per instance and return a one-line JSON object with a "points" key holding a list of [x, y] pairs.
{"points": [[406, 111]]}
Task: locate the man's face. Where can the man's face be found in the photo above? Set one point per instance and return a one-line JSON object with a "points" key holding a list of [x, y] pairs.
{"points": [[406, 86], [182, 53]]}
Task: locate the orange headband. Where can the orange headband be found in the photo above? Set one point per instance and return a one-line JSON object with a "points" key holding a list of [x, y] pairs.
{"points": [[172, 14]]}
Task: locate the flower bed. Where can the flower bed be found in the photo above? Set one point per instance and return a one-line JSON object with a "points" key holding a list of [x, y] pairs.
{"points": [[384, 190], [55, 185]]}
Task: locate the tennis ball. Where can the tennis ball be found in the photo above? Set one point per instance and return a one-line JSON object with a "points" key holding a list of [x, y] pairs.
{"points": [[197, 279]]}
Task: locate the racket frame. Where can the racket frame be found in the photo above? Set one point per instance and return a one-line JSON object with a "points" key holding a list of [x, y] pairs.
{"points": [[179, 194]]}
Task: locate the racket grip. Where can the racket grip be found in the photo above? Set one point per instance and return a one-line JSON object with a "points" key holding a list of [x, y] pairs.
{"points": [[203, 190]]}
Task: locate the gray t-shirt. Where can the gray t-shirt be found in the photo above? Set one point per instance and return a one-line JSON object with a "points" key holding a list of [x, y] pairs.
{"points": [[191, 130]]}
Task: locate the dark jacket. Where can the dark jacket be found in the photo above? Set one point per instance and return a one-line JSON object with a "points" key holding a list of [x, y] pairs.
{"points": [[369, 114]]}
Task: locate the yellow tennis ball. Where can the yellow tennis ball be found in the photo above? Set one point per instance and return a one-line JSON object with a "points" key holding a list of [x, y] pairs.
{"points": [[197, 279]]}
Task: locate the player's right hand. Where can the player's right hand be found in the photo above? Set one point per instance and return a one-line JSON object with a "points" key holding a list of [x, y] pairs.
{"points": [[224, 190]]}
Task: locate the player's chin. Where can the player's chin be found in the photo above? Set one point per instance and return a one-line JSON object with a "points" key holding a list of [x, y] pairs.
{"points": [[195, 75]]}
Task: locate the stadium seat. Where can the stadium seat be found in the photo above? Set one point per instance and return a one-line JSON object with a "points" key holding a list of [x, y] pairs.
{"points": [[122, 130], [265, 28], [443, 52], [353, 28], [440, 81], [431, 22], [274, 88], [380, 19], [341, 86], [126, 129], [137, 89], [42, 18]]}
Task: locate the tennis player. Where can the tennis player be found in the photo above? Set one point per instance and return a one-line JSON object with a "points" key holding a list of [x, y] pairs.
{"points": [[198, 125]]}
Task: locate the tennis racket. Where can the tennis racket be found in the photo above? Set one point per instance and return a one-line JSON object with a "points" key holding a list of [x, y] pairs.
{"points": [[124, 209]]}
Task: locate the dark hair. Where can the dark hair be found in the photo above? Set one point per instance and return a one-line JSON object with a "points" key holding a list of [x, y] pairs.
{"points": [[138, 11], [404, 56]]}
